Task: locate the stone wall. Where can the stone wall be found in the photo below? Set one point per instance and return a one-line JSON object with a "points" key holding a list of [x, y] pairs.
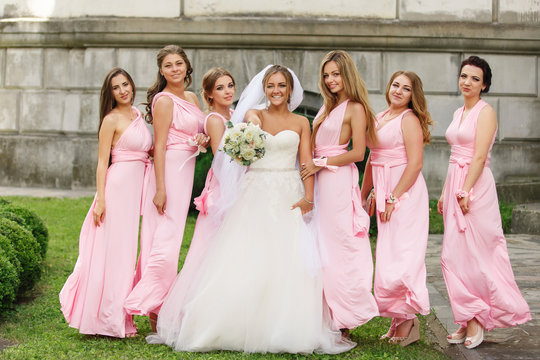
{"points": [[51, 69]]}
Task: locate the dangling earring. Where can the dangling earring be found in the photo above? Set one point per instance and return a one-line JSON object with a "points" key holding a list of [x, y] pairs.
{"points": [[210, 102], [267, 103]]}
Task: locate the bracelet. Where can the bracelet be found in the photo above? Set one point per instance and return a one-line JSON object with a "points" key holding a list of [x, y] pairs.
{"points": [[309, 202], [391, 199], [462, 194]]}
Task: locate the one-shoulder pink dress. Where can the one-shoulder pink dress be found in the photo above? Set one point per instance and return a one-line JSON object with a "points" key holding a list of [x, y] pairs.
{"points": [[400, 270], [205, 229], [343, 231], [161, 235], [474, 259], [92, 299]]}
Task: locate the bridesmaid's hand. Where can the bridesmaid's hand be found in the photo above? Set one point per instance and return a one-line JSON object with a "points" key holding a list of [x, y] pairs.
{"points": [[202, 139], [151, 151], [464, 204], [304, 206], [99, 212], [440, 204], [308, 169], [387, 213], [160, 200]]}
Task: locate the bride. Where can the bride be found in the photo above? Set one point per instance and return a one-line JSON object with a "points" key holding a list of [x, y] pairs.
{"points": [[259, 287]]}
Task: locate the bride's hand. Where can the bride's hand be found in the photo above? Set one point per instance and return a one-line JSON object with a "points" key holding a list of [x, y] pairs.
{"points": [[309, 169], [304, 205]]}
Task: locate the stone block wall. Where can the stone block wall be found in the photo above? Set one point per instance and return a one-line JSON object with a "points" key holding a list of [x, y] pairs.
{"points": [[51, 69]]}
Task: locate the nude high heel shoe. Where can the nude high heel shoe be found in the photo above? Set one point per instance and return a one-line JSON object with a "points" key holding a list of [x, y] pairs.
{"points": [[414, 335], [458, 337], [476, 339]]}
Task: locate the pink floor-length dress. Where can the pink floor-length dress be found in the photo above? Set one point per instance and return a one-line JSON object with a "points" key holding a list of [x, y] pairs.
{"points": [[161, 235], [92, 299], [400, 271], [474, 259], [205, 229], [343, 232]]}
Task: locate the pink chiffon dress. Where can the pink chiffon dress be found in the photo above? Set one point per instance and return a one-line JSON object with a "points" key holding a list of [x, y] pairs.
{"points": [[400, 271], [161, 235], [205, 229], [343, 231], [474, 258], [92, 299]]}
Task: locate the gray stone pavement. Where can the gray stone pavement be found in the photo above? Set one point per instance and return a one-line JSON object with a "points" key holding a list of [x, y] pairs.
{"points": [[520, 342]]}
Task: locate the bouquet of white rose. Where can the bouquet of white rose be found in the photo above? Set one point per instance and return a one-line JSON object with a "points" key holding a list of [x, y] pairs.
{"points": [[244, 143]]}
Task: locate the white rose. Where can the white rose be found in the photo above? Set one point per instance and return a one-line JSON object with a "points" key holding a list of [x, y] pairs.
{"points": [[247, 154]]}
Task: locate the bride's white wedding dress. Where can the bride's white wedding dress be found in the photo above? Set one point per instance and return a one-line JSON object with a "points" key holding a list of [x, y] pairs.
{"points": [[259, 287]]}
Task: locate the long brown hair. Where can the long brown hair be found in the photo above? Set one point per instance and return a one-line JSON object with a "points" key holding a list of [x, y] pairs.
{"points": [[355, 90], [160, 83], [106, 98], [417, 103], [209, 81]]}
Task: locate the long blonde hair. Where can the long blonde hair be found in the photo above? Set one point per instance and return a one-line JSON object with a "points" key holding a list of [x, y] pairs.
{"points": [[417, 103], [354, 87]]}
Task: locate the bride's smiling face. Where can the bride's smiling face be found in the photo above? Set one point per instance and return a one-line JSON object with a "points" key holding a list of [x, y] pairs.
{"points": [[277, 89]]}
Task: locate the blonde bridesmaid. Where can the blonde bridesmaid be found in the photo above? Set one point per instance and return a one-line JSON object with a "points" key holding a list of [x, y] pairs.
{"points": [[92, 299], [178, 120], [394, 170], [474, 259], [343, 223]]}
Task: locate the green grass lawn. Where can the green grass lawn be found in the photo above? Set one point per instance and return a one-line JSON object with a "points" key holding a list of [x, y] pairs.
{"points": [[40, 331]]}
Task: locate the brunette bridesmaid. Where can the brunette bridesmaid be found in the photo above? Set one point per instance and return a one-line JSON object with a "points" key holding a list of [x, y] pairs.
{"points": [[92, 298], [475, 263], [177, 119], [343, 223], [394, 169]]}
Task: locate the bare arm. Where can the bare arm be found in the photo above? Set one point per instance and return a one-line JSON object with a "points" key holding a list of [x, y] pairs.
{"points": [[162, 115], [253, 116], [304, 154], [485, 130], [414, 146], [106, 134], [367, 181], [215, 129]]}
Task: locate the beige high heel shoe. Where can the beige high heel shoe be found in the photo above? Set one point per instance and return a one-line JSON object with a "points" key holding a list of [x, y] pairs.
{"points": [[458, 337], [414, 335], [476, 339]]}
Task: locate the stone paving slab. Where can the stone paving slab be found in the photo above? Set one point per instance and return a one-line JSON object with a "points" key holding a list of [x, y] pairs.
{"points": [[520, 342]]}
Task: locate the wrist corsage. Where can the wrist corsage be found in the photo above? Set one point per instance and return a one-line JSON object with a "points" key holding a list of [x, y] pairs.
{"points": [[322, 162]]}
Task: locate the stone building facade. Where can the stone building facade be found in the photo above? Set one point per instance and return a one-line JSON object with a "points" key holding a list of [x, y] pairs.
{"points": [[54, 55]]}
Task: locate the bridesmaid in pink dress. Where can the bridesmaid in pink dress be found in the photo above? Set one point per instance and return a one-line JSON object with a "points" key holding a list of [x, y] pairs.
{"points": [[474, 259], [394, 170], [92, 299], [343, 223], [218, 92], [177, 119]]}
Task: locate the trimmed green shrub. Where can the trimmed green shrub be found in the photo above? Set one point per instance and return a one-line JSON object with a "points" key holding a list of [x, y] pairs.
{"points": [[6, 247], [4, 201], [28, 252], [30, 221], [9, 282]]}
